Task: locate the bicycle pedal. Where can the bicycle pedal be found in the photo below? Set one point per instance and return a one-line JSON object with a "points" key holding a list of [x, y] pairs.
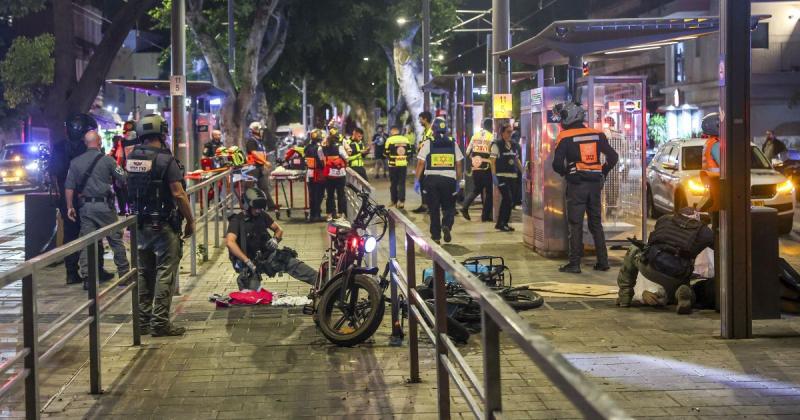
{"points": [[308, 310]]}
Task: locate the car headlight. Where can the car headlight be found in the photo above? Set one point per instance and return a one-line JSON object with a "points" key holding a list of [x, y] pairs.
{"points": [[33, 166], [19, 172], [369, 244], [696, 187], [785, 187]]}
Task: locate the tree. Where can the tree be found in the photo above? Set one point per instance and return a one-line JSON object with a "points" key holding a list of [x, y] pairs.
{"points": [[261, 27], [27, 70]]}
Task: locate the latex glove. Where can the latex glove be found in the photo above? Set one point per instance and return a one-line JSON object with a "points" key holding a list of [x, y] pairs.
{"points": [[458, 187], [250, 265], [495, 181], [272, 244], [417, 187]]}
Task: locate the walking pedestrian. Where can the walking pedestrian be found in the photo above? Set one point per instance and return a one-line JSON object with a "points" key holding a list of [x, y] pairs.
{"points": [[334, 156], [577, 158], [357, 152], [505, 166], [257, 156], [379, 145], [438, 173], [158, 198], [425, 120], [315, 178], [398, 149], [89, 180], [478, 153]]}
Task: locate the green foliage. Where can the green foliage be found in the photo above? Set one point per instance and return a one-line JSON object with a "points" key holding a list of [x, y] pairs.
{"points": [[27, 69], [657, 130], [18, 8]]}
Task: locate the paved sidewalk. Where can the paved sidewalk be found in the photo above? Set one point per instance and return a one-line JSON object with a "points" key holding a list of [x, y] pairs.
{"points": [[265, 362]]}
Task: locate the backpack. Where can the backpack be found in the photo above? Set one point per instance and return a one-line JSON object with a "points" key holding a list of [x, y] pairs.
{"points": [[147, 192]]}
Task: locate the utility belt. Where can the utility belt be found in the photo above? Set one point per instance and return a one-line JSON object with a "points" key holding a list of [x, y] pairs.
{"points": [[85, 200], [157, 222]]}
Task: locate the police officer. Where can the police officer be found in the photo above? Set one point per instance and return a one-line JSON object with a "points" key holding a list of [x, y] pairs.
{"points": [[210, 148], [505, 169], [157, 197], [315, 178], [577, 158], [89, 180], [257, 156], [478, 152], [425, 119], [357, 152], [334, 156], [254, 251], [61, 155], [439, 161], [398, 148]]}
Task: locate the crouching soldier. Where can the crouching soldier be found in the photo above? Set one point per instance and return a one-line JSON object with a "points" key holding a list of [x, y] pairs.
{"points": [[254, 250], [667, 258]]}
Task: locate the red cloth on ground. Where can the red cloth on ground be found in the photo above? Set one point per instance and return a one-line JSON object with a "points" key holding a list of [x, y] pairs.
{"points": [[251, 297]]}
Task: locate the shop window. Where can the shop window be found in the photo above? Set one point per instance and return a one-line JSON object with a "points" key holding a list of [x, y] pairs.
{"points": [[759, 38], [680, 63]]}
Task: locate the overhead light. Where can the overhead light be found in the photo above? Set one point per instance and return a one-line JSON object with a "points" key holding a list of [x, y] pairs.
{"points": [[440, 57], [630, 51], [686, 38], [215, 102], [366, 59], [402, 21], [658, 44], [151, 107]]}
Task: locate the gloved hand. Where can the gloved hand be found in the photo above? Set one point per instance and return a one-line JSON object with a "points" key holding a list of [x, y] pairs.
{"points": [[272, 244], [458, 187], [495, 181], [417, 187], [251, 265]]}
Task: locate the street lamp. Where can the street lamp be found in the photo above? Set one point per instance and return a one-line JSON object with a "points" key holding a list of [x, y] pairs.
{"points": [[402, 21], [366, 58]]}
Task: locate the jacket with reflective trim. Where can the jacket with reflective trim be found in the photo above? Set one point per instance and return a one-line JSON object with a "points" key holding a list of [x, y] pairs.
{"points": [[442, 157], [356, 158], [479, 150], [709, 163], [577, 155], [398, 148], [506, 159]]}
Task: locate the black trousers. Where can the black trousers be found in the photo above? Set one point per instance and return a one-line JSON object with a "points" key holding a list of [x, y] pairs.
{"points": [[516, 192], [361, 171], [316, 190], [397, 178], [506, 187], [335, 186], [72, 230], [481, 185], [440, 196], [584, 198]]}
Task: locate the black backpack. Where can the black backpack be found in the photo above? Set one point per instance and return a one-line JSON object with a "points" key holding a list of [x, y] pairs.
{"points": [[148, 193]]}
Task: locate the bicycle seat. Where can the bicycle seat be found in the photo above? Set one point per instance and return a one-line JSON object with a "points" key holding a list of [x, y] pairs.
{"points": [[339, 226]]}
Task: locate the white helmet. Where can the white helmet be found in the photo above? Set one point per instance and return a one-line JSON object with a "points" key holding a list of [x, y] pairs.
{"points": [[255, 126], [569, 113], [710, 124]]}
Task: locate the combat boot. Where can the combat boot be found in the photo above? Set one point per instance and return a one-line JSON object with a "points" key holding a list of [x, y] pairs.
{"points": [[624, 298], [685, 298], [168, 331], [570, 268]]}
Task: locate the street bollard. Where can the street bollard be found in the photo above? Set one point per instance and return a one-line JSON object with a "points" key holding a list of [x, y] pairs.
{"points": [[94, 324]]}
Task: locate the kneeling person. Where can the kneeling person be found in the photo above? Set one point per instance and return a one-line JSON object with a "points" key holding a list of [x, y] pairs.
{"points": [[667, 258], [254, 251]]}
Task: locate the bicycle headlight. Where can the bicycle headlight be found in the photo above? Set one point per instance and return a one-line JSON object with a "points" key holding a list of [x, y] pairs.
{"points": [[370, 244]]}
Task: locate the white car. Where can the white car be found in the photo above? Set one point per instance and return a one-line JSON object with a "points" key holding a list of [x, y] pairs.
{"points": [[673, 182]]}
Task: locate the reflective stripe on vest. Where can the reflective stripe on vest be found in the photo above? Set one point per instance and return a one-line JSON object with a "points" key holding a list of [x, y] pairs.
{"points": [[398, 150], [506, 161], [442, 159], [357, 159], [709, 163], [481, 144], [587, 141]]}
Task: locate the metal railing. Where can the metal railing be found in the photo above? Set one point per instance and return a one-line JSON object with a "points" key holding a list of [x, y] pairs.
{"points": [[354, 203], [216, 210], [98, 303]]}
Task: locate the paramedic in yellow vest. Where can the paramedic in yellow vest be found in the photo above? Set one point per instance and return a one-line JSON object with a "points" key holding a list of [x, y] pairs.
{"points": [[397, 148], [356, 153], [478, 153], [425, 119], [577, 159]]}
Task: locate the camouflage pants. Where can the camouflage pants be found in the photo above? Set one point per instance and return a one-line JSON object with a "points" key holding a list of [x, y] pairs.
{"points": [[159, 256]]}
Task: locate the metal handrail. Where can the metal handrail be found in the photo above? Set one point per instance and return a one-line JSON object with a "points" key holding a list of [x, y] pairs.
{"points": [[496, 316], [222, 184], [30, 353]]}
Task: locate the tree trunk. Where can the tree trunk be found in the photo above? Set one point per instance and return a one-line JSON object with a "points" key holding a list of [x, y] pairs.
{"points": [[395, 113], [408, 75], [232, 123]]}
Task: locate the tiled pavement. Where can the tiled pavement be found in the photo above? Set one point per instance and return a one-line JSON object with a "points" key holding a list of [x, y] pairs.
{"points": [[270, 362]]}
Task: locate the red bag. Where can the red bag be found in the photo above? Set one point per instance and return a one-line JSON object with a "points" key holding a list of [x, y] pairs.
{"points": [[251, 297]]}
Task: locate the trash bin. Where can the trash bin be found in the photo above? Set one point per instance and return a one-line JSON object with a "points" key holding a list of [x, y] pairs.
{"points": [[766, 288], [40, 224]]}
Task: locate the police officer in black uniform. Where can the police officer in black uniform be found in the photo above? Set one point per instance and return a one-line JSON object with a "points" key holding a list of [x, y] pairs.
{"points": [[577, 158], [156, 195], [254, 250], [439, 161], [61, 155], [505, 167]]}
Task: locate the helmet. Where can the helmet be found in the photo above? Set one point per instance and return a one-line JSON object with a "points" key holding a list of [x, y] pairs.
{"points": [[439, 127], [152, 125], [316, 134], [710, 124], [78, 125], [254, 198], [569, 113], [333, 131], [255, 126], [488, 123]]}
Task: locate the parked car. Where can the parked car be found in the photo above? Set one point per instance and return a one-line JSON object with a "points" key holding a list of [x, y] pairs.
{"points": [[20, 166], [673, 182]]}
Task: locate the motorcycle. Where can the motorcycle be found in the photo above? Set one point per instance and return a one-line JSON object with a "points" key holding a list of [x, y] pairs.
{"points": [[348, 300]]}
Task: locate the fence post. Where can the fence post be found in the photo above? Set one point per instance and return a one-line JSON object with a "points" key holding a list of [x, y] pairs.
{"points": [[30, 340], [491, 366], [413, 337], [206, 213], [94, 325], [193, 239], [218, 196], [442, 376], [137, 336], [396, 338]]}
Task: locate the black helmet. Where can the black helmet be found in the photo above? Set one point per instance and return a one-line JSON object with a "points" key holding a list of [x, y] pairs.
{"points": [[255, 198], [710, 124], [78, 125], [439, 127]]}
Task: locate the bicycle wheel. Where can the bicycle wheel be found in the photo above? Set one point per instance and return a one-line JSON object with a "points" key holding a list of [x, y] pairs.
{"points": [[345, 326], [522, 299]]}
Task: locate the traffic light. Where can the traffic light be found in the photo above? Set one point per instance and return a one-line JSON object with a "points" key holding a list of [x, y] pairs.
{"points": [[585, 69]]}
